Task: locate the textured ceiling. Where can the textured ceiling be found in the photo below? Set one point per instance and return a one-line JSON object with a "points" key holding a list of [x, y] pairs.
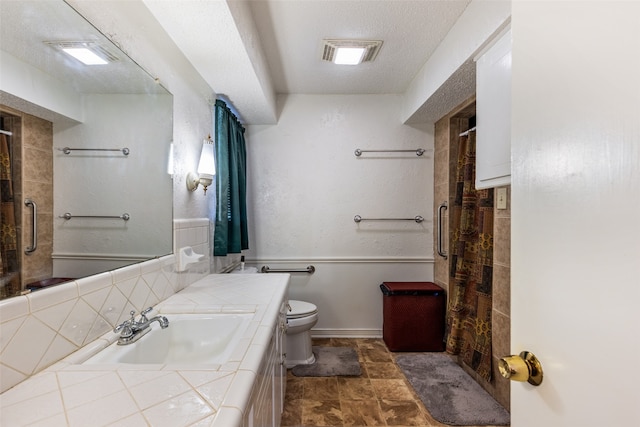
{"points": [[292, 32], [251, 51], [25, 25]]}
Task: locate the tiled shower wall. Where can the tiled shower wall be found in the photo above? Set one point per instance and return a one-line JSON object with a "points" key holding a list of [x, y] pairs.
{"points": [[37, 183], [447, 131], [32, 140], [43, 327]]}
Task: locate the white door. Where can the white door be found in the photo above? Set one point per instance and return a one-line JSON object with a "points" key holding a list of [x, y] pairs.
{"points": [[576, 211]]}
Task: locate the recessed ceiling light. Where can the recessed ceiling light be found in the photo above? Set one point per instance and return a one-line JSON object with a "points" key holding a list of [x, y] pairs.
{"points": [[351, 52], [348, 55], [89, 53], [84, 55]]}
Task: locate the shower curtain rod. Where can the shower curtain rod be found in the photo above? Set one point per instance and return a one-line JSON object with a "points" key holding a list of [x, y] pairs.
{"points": [[466, 132], [6, 132]]}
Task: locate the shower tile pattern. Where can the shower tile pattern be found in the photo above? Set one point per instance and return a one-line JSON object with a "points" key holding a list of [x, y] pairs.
{"points": [[32, 170], [37, 184]]}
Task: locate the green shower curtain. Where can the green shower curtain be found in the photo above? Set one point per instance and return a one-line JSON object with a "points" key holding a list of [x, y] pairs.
{"points": [[230, 235], [470, 300]]}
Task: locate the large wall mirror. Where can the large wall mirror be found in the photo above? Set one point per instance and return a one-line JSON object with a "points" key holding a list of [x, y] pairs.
{"points": [[84, 151]]}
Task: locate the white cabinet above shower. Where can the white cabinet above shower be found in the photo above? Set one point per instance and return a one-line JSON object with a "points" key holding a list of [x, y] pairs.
{"points": [[493, 114]]}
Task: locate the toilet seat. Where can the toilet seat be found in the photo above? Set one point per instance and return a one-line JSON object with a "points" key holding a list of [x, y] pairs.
{"points": [[301, 309]]}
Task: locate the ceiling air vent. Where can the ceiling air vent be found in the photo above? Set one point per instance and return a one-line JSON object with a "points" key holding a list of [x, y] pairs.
{"points": [[369, 48]]}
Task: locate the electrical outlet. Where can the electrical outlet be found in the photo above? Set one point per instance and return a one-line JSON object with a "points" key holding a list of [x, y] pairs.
{"points": [[501, 198]]}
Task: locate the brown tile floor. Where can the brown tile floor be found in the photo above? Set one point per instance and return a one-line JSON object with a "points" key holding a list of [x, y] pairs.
{"points": [[381, 396]]}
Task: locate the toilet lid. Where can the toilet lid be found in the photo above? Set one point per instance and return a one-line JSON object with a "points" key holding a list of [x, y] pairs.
{"points": [[301, 309]]}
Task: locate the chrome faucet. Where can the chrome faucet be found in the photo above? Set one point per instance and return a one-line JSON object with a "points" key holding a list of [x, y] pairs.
{"points": [[132, 330]]}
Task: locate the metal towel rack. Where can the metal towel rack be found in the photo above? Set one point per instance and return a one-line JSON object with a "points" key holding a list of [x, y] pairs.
{"points": [[67, 150], [310, 269], [419, 151], [124, 216], [417, 219]]}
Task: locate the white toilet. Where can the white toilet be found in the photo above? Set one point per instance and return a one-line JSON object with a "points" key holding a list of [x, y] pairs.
{"points": [[300, 319]]}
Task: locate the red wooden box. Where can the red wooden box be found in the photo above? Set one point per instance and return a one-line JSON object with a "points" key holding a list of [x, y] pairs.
{"points": [[413, 316]]}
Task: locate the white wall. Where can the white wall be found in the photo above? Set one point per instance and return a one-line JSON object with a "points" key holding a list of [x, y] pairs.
{"points": [[306, 185], [143, 124], [25, 82]]}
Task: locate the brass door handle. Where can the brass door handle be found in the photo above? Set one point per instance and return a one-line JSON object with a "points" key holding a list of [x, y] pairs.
{"points": [[525, 367]]}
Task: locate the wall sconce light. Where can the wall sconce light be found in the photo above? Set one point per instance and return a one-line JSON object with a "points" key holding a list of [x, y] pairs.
{"points": [[206, 168], [170, 161]]}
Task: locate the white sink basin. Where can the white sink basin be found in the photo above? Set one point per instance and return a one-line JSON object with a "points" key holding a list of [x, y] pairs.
{"points": [[189, 339]]}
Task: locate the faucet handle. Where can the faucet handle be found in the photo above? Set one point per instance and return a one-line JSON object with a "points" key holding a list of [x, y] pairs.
{"points": [[121, 326], [125, 327], [143, 314]]}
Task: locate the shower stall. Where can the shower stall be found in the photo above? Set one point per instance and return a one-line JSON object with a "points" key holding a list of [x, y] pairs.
{"points": [[27, 200], [450, 131]]}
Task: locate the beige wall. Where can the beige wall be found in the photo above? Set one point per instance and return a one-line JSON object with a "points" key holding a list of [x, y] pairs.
{"points": [[447, 130], [37, 184]]}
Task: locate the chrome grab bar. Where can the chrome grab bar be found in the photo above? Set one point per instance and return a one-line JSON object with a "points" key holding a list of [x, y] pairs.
{"points": [[441, 252], [124, 216], [34, 239], [310, 269], [417, 219], [68, 150], [419, 151]]}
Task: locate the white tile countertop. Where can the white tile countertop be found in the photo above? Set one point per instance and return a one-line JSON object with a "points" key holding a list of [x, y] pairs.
{"points": [[71, 394]]}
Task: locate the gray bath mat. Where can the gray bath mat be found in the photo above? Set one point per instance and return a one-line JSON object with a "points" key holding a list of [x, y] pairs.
{"points": [[331, 362], [449, 393]]}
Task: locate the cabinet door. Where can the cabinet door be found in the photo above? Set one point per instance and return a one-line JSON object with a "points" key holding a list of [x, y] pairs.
{"points": [[280, 375], [493, 114]]}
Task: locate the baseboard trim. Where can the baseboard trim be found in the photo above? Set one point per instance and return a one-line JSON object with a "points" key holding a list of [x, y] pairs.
{"points": [[346, 333]]}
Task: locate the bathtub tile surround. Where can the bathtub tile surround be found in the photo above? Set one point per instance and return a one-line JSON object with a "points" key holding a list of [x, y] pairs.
{"points": [[43, 327], [69, 394]]}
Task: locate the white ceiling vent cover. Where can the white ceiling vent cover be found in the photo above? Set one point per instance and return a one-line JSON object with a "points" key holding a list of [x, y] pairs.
{"points": [[329, 47]]}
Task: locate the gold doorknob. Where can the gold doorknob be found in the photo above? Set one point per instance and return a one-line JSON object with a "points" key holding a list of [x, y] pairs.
{"points": [[525, 367]]}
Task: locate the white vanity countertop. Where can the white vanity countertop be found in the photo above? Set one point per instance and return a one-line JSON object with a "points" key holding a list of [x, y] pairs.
{"points": [[70, 394]]}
